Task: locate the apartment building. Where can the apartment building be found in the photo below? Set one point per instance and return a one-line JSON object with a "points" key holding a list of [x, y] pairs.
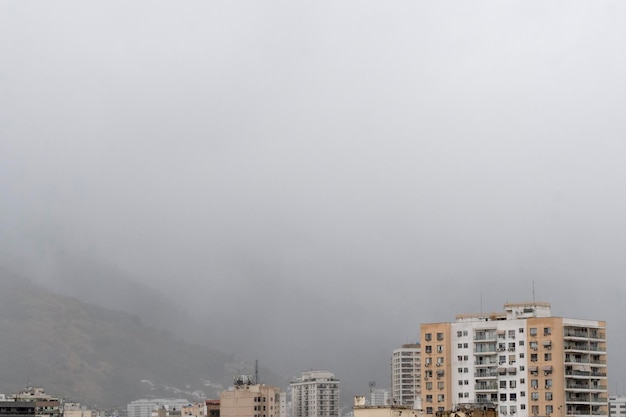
{"points": [[405, 374], [251, 400], [315, 394], [523, 361], [145, 407], [617, 406]]}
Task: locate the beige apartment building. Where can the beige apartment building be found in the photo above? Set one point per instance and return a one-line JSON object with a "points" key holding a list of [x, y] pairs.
{"points": [[250, 400], [523, 361]]}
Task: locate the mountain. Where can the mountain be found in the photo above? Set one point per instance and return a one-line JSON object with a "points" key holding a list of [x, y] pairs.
{"points": [[96, 355]]}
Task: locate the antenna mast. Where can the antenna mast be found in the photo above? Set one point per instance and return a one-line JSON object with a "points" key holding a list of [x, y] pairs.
{"points": [[256, 372]]}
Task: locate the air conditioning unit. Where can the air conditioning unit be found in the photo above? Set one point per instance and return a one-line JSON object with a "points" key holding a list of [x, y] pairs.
{"points": [[438, 364], [427, 364]]}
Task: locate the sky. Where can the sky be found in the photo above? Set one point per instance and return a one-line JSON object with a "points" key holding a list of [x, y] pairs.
{"points": [[316, 179]]}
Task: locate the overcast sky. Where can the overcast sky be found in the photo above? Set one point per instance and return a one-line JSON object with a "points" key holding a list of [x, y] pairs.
{"points": [[337, 171]]}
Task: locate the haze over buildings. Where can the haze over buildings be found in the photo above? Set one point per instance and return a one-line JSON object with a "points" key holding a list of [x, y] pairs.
{"points": [[339, 166]]}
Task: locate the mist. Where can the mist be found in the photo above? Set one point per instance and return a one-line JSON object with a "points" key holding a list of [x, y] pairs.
{"points": [[310, 182]]}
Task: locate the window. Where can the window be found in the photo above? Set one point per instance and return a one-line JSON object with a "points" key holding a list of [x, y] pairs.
{"points": [[548, 396], [439, 336], [503, 409], [428, 337], [460, 370], [440, 398], [428, 361], [521, 343], [439, 348], [548, 383], [502, 384], [439, 385], [459, 333], [547, 331], [460, 382], [521, 330], [535, 409], [533, 357], [521, 368], [547, 357], [429, 398], [440, 409], [534, 396], [522, 393], [429, 349], [466, 382], [512, 396], [533, 331], [512, 384], [534, 383], [511, 334], [549, 409], [521, 355], [466, 395], [429, 410], [522, 407], [429, 386], [439, 361], [522, 380], [464, 332], [465, 345], [533, 345], [460, 395], [513, 409], [502, 397], [459, 346], [460, 358], [465, 357]]}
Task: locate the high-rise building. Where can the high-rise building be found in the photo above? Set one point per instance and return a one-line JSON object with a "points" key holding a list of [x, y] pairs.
{"points": [[405, 374], [315, 394], [524, 361]]}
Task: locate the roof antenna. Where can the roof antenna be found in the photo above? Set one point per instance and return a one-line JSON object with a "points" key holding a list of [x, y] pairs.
{"points": [[481, 304], [256, 372], [534, 292]]}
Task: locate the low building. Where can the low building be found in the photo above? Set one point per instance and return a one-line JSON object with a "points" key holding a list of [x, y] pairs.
{"points": [[250, 400], [144, 407], [394, 410]]}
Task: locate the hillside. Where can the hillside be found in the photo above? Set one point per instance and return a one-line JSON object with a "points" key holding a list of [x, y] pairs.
{"points": [[92, 354]]}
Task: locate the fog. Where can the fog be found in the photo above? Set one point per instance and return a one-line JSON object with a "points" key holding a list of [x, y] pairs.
{"points": [[313, 180]]}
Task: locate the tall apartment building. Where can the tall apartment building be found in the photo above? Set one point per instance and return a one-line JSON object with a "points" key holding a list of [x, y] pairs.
{"points": [[405, 374], [315, 394], [524, 361], [380, 397]]}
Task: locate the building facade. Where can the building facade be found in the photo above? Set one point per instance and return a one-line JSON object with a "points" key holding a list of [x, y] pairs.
{"points": [[315, 394], [251, 400], [380, 397], [406, 374], [523, 361], [617, 406], [145, 407]]}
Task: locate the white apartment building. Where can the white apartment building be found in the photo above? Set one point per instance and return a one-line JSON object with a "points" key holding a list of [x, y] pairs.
{"points": [[315, 394], [144, 407], [380, 397], [617, 406], [405, 374], [523, 361]]}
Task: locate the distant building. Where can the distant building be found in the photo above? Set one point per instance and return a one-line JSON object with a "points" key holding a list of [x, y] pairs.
{"points": [[392, 410], [405, 374], [315, 394], [380, 397], [617, 406], [212, 408], [145, 407], [523, 360], [45, 405], [71, 409], [250, 400], [195, 410]]}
